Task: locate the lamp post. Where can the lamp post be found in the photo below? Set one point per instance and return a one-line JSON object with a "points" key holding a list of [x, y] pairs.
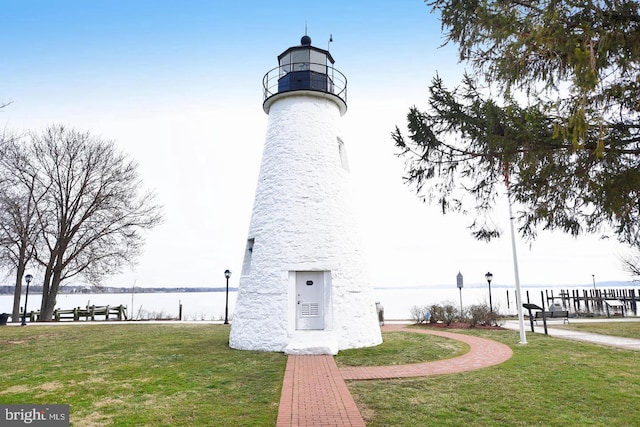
{"points": [[459, 284], [489, 278], [227, 274], [27, 278]]}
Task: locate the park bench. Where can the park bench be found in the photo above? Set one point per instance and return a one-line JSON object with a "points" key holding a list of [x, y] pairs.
{"points": [[556, 314]]}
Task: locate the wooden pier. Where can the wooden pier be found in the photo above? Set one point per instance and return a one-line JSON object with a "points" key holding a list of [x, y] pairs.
{"points": [[589, 302]]}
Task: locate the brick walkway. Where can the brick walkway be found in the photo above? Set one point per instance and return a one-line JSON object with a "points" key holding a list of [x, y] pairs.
{"points": [[314, 392]]}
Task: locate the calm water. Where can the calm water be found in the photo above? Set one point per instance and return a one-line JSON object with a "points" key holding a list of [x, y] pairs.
{"points": [[397, 302], [195, 305]]}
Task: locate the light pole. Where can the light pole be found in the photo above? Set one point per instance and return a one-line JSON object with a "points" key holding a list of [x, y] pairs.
{"points": [[227, 274], [459, 283], [27, 278], [489, 278]]}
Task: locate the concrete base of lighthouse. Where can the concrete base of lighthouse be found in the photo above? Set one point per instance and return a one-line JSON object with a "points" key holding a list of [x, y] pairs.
{"points": [[312, 342]]}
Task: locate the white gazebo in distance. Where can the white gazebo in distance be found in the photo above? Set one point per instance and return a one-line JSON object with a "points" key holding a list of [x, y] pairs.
{"points": [[304, 287]]}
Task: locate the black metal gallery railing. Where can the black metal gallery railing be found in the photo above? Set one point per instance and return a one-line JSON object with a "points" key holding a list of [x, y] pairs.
{"points": [[305, 76]]}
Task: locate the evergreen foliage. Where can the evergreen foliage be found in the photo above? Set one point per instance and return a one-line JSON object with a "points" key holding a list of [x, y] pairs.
{"points": [[553, 110]]}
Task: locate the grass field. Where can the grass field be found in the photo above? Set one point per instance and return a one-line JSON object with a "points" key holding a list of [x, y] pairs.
{"points": [[141, 374], [401, 347], [548, 382], [186, 375], [618, 329]]}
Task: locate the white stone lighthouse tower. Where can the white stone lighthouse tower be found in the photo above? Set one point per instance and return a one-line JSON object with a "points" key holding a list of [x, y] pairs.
{"points": [[304, 287]]}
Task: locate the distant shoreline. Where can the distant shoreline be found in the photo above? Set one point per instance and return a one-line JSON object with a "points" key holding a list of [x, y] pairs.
{"points": [[599, 285], [8, 290]]}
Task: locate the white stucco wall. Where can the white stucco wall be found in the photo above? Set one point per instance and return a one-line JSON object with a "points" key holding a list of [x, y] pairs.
{"points": [[302, 221]]}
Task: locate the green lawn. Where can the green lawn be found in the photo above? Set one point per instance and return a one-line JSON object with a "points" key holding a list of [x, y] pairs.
{"points": [[141, 374], [548, 382], [401, 347], [186, 375], [618, 329]]}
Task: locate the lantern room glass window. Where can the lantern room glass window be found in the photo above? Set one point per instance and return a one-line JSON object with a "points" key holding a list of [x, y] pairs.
{"points": [[303, 59], [318, 62], [300, 60]]}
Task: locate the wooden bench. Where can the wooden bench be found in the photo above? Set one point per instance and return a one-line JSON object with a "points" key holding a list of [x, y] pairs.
{"points": [[556, 314]]}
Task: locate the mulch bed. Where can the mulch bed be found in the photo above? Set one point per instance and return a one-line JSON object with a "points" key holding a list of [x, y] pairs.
{"points": [[458, 325]]}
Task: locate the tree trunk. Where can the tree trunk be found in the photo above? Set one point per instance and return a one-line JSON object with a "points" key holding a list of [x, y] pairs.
{"points": [[15, 315], [49, 304], [45, 289]]}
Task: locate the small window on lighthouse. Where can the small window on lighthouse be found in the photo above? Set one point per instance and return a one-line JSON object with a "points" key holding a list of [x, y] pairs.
{"points": [[343, 155], [246, 263]]}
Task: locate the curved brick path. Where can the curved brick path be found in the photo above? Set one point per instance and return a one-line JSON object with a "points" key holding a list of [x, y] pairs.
{"points": [[483, 353], [314, 392]]}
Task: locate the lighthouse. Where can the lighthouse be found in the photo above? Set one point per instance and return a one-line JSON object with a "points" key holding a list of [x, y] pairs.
{"points": [[304, 287]]}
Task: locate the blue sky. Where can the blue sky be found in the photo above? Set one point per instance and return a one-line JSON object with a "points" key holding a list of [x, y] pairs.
{"points": [[177, 85]]}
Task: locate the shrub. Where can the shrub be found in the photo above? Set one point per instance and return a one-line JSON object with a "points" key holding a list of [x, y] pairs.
{"points": [[445, 313], [449, 313], [417, 313], [482, 315], [437, 313]]}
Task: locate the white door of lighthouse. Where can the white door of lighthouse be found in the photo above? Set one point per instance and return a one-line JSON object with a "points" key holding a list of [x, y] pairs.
{"points": [[309, 300]]}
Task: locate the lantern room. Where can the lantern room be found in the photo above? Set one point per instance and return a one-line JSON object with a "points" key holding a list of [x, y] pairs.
{"points": [[305, 68]]}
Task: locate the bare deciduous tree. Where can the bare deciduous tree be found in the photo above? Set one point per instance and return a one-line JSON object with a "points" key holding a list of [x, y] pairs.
{"points": [[18, 225], [631, 264], [90, 208]]}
